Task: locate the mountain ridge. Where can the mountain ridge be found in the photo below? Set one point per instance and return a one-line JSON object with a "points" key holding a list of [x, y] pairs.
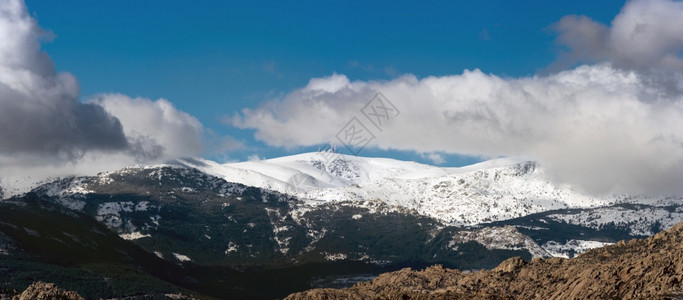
{"points": [[501, 192], [489, 191], [187, 217]]}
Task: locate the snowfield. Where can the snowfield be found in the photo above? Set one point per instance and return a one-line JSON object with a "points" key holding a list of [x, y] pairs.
{"points": [[494, 190]]}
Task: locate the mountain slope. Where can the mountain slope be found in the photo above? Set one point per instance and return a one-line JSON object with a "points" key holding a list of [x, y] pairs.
{"points": [[490, 191], [184, 215], [44, 240], [207, 225], [638, 269], [216, 231], [493, 193]]}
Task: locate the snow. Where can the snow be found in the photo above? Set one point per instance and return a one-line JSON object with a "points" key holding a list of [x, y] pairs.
{"points": [[71, 203], [315, 236], [155, 220], [233, 174], [181, 257], [109, 213], [489, 191], [310, 171], [571, 247], [279, 232], [430, 190], [13, 185], [142, 206], [639, 220], [507, 238], [232, 247], [133, 235], [334, 256], [493, 190]]}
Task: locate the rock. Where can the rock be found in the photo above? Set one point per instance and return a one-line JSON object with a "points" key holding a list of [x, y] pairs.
{"points": [[46, 291], [510, 265], [638, 269]]}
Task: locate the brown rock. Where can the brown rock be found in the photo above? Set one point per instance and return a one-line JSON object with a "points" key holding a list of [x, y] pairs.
{"points": [[510, 265], [638, 269], [47, 291]]}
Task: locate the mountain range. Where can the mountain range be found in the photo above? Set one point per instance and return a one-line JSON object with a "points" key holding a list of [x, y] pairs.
{"points": [[325, 219]]}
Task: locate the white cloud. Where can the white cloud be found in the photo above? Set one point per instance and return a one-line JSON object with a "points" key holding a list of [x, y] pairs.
{"points": [[156, 129], [156, 132], [40, 114], [42, 120], [648, 33], [435, 158], [45, 131], [596, 126], [254, 157], [612, 125], [646, 36]]}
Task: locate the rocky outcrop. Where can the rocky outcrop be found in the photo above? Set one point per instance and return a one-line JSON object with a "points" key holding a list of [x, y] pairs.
{"points": [[638, 269], [46, 291]]}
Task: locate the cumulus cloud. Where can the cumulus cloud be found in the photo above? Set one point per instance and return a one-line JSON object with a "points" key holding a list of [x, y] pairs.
{"points": [[646, 36], [154, 128], [610, 125], [39, 111], [46, 131], [599, 127]]}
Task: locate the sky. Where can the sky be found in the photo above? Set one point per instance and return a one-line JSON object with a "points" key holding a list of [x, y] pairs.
{"points": [[591, 89], [215, 59]]}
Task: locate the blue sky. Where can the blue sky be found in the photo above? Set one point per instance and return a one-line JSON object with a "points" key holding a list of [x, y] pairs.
{"points": [[211, 59]]}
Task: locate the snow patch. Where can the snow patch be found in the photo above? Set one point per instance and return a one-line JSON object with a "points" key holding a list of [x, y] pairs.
{"points": [[232, 247], [571, 247], [507, 238], [639, 220], [181, 257], [142, 206], [133, 235], [334, 256]]}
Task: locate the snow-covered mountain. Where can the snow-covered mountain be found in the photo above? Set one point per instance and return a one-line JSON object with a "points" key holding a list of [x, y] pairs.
{"points": [[505, 204], [313, 171], [490, 191]]}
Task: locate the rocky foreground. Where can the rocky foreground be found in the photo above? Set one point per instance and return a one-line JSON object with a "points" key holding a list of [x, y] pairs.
{"points": [[639, 269], [44, 291]]}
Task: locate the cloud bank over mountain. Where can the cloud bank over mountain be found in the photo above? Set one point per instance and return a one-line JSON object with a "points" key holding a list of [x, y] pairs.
{"points": [[611, 121], [612, 124]]}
